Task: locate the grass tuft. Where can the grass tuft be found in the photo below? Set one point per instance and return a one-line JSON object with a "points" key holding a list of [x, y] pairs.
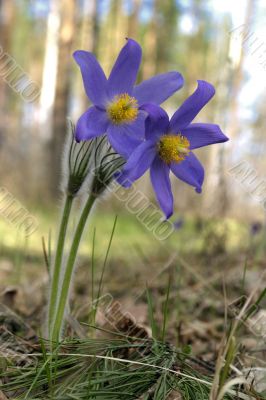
{"points": [[110, 369]]}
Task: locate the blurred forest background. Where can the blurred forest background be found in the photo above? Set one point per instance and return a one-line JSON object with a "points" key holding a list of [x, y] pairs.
{"points": [[201, 39]]}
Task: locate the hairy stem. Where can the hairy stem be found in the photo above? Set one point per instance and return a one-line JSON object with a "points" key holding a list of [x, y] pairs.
{"points": [[58, 321], [58, 260]]}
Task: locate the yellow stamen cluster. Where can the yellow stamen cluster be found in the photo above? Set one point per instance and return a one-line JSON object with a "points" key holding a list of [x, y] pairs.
{"points": [[123, 109], [173, 148]]}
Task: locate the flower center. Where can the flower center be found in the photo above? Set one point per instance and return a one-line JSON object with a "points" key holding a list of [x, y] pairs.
{"points": [[173, 148], [123, 108]]}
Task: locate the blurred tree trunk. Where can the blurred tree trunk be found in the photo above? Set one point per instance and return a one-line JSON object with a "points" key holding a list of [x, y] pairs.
{"points": [[198, 45], [167, 13], [150, 46], [49, 70], [114, 30], [161, 37], [62, 92], [238, 75], [215, 198], [90, 30], [229, 87], [90, 25], [133, 20], [7, 12], [236, 84]]}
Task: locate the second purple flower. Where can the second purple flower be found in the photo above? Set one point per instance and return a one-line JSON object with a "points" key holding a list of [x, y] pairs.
{"points": [[168, 147]]}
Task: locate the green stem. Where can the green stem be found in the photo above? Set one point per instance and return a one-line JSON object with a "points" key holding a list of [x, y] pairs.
{"points": [[58, 259], [58, 322]]}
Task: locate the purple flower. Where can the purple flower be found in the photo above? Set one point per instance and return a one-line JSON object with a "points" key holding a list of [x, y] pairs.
{"points": [[178, 223], [255, 228], [168, 147], [116, 102]]}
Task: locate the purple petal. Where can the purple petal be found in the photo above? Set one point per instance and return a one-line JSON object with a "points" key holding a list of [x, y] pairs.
{"points": [[125, 138], [156, 123], [161, 184], [159, 88], [201, 135], [125, 70], [192, 106], [190, 171], [138, 163], [94, 79], [122, 142], [92, 123]]}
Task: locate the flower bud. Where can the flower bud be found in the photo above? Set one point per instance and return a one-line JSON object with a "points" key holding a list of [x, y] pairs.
{"points": [[106, 163], [89, 164], [76, 162]]}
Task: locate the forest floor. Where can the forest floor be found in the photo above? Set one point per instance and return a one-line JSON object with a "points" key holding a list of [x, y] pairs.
{"points": [[195, 285]]}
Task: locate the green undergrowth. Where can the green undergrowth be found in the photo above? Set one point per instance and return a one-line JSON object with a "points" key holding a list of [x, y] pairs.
{"points": [[193, 236]]}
